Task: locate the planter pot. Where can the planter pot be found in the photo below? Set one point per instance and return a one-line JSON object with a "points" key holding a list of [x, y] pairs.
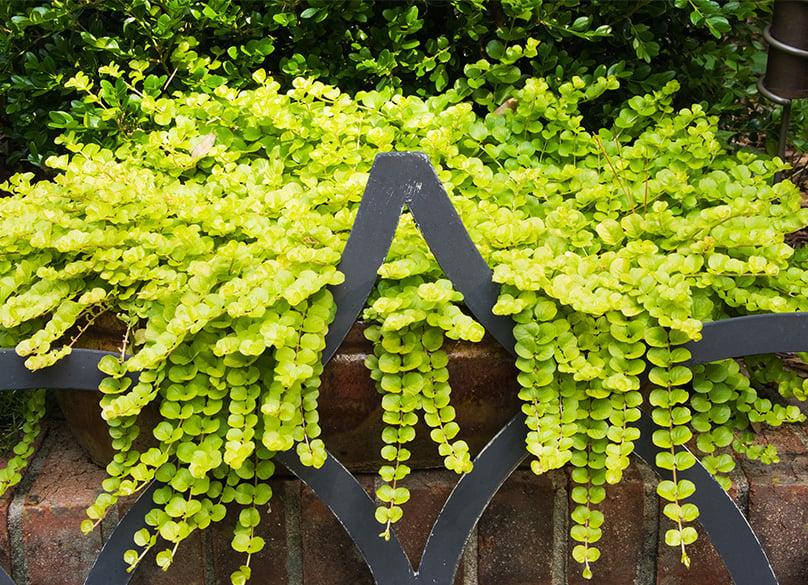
{"points": [[484, 394], [787, 65]]}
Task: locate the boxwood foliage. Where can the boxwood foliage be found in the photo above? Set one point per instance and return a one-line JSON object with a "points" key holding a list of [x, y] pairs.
{"points": [[215, 237], [419, 47]]}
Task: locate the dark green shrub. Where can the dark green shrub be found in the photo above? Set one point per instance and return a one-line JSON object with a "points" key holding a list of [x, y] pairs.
{"points": [[484, 49]]}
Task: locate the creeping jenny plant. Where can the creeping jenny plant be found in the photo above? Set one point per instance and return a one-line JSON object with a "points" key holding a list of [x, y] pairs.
{"points": [[215, 237]]}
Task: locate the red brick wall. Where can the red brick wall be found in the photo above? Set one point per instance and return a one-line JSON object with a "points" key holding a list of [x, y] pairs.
{"points": [[520, 540]]}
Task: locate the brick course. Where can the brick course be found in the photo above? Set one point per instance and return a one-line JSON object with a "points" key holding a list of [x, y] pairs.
{"points": [[520, 540]]}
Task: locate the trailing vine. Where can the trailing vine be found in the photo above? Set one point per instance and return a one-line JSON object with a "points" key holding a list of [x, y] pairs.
{"points": [[33, 412], [216, 237], [409, 366]]}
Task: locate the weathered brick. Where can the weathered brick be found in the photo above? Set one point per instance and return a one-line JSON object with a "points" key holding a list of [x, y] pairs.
{"points": [[484, 394], [779, 517], [56, 551], [187, 568], [429, 490], [621, 545], [706, 565], [515, 538], [777, 506], [515, 534], [329, 555], [5, 541], [270, 564], [8, 497]]}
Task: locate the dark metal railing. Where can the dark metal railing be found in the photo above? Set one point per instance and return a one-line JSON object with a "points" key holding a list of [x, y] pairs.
{"points": [[408, 179]]}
